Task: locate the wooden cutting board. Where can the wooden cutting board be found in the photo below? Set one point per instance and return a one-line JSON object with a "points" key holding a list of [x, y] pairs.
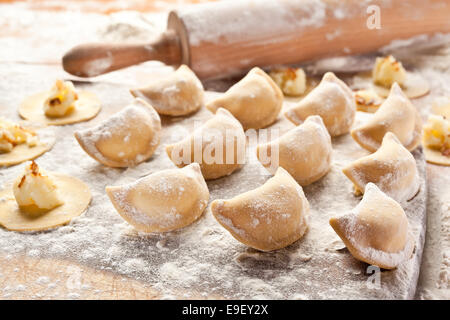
{"points": [[214, 264]]}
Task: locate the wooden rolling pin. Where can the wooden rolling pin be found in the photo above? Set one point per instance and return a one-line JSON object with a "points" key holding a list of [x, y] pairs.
{"points": [[220, 39]]}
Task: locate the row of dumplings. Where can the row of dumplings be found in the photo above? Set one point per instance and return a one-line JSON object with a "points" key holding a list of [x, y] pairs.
{"points": [[270, 217]]}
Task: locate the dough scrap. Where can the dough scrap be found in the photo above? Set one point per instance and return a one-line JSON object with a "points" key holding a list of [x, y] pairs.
{"points": [[398, 115], [86, 107], [163, 201], [392, 168], [305, 151], [332, 100], [44, 141], [267, 218], [223, 142], [126, 139], [255, 100], [74, 194], [178, 94], [376, 231], [436, 140]]}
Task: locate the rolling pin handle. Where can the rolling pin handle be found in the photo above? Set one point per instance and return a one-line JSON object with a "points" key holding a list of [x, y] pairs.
{"points": [[93, 59]]}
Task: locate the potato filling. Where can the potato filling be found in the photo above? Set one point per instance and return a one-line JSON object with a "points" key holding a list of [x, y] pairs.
{"points": [[36, 189], [436, 134], [61, 100], [388, 70], [12, 135], [291, 81]]}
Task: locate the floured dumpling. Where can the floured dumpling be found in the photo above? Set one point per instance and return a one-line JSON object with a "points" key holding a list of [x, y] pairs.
{"points": [[126, 139], [178, 94], [19, 143], [40, 200], [61, 105], [398, 115], [222, 150], [376, 231], [305, 151], [163, 201], [291, 81], [270, 217], [332, 100], [392, 168], [255, 100], [387, 71], [436, 140]]}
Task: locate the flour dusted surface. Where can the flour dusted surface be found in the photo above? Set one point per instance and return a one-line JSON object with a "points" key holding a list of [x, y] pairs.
{"points": [[102, 240], [203, 256]]}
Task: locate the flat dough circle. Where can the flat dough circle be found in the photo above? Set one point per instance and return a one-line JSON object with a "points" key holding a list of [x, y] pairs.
{"points": [[73, 192], [86, 107], [435, 157], [23, 152], [415, 86]]}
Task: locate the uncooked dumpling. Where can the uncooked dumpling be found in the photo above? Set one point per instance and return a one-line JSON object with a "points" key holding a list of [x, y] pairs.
{"points": [[267, 218], [222, 146], [163, 201], [23, 142], [126, 139], [376, 231], [305, 152], [398, 115], [255, 101], [392, 168], [178, 94], [61, 105], [333, 100], [40, 200]]}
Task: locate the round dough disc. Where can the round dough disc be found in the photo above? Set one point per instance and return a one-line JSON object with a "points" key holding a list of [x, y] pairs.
{"points": [[86, 107], [74, 193], [436, 157], [23, 152], [415, 86]]}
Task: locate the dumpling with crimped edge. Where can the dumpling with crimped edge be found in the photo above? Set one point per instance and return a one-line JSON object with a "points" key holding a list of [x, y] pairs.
{"points": [[163, 201], [222, 142], [178, 94], [398, 115], [305, 151], [267, 218], [255, 100], [333, 100], [126, 139], [376, 231], [392, 168]]}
